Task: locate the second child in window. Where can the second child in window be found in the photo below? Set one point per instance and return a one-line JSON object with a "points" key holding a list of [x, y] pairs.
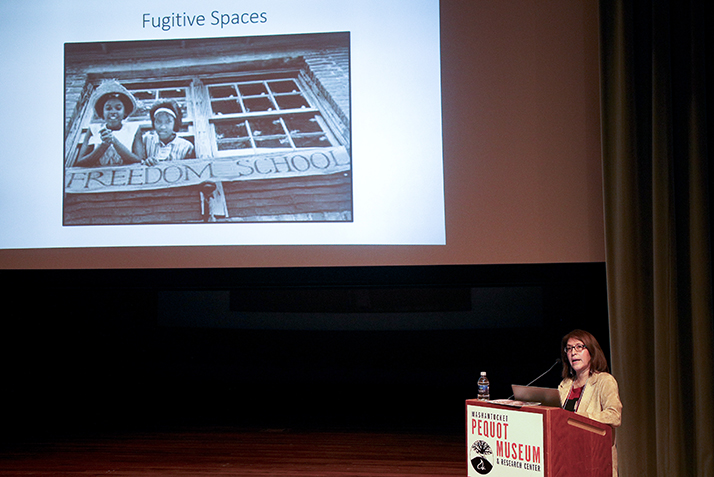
{"points": [[162, 143]]}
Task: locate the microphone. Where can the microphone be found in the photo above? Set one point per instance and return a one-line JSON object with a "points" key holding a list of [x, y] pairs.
{"points": [[557, 362]]}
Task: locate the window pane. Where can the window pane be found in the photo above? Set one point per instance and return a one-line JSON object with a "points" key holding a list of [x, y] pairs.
{"points": [[233, 143], [302, 123], [227, 91], [252, 89], [262, 103], [313, 140], [266, 127], [272, 142], [172, 93], [231, 129], [229, 106], [284, 86], [144, 95], [232, 135], [291, 101], [142, 110]]}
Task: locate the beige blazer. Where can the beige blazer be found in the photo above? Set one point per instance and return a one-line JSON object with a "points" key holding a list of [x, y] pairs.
{"points": [[600, 401]]}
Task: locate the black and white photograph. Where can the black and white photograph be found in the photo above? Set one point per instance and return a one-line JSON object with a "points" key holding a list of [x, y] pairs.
{"points": [[233, 129]]}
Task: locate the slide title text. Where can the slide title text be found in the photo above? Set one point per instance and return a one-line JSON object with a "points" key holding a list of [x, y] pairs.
{"points": [[215, 18]]}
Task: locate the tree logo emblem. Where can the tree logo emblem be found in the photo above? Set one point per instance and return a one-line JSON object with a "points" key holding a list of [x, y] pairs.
{"points": [[478, 455]]}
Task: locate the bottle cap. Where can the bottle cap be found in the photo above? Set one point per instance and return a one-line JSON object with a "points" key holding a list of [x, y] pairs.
{"points": [[483, 373]]}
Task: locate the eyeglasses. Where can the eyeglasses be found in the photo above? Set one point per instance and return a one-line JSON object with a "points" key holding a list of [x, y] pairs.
{"points": [[578, 347]]}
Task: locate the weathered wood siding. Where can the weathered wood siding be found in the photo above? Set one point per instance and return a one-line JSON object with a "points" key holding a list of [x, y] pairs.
{"points": [[309, 198], [318, 198]]}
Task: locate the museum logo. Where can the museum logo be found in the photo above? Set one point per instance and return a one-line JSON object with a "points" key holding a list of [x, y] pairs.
{"points": [[479, 455]]}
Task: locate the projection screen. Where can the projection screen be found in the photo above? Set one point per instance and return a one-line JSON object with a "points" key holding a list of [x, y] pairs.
{"points": [[311, 133]]}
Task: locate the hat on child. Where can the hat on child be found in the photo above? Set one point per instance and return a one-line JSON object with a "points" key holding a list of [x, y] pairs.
{"points": [[113, 89]]}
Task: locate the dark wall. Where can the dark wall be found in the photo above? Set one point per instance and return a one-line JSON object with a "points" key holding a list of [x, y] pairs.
{"points": [[85, 351]]}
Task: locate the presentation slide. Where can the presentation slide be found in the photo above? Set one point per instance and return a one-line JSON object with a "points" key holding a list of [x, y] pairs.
{"points": [[181, 123], [281, 134]]}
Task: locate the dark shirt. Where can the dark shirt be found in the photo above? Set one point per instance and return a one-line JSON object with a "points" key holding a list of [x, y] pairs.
{"points": [[573, 398]]}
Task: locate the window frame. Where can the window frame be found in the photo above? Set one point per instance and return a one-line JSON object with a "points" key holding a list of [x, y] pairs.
{"points": [[313, 108], [199, 121]]}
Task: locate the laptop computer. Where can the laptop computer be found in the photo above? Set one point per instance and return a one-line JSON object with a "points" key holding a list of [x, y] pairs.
{"points": [[545, 396]]}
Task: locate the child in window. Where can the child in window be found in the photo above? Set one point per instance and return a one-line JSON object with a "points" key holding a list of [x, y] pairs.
{"points": [[110, 143], [162, 143]]}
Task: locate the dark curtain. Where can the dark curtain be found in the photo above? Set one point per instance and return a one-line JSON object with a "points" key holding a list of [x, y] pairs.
{"points": [[656, 59]]}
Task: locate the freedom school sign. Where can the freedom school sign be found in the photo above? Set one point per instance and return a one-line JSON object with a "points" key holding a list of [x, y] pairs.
{"points": [[305, 162]]}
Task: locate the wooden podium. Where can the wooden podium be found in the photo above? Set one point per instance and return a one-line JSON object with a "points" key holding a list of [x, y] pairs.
{"points": [[535, 441]]}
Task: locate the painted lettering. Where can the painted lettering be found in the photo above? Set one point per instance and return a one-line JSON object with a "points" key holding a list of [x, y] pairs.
{"points": [[195, 171], [518, 451]]}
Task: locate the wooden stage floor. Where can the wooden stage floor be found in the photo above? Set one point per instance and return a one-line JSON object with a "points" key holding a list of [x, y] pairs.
{"points": [[222, 452]]}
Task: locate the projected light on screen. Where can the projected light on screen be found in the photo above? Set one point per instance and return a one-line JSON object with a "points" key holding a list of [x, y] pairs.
{"points": [[314, 133], [288, 125]]}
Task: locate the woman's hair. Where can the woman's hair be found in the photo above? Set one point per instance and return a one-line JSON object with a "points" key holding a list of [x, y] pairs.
{"points": [[597, 357], [172, 106]]}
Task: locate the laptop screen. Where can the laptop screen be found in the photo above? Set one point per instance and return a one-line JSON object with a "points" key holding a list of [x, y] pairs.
{"points": [[545, 396]]}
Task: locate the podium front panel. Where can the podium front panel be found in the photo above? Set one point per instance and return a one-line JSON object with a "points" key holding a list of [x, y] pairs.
{"points": [[504, 442]]}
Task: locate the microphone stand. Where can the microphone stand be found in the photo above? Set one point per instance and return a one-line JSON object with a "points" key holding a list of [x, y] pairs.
{"points": [[557, 361]]}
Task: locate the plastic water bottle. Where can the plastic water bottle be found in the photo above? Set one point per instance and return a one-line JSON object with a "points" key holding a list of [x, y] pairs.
{"points": [[484, 394]]}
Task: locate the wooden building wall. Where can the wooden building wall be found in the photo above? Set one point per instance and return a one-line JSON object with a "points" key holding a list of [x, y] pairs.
{"points": [[317, 198]]}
